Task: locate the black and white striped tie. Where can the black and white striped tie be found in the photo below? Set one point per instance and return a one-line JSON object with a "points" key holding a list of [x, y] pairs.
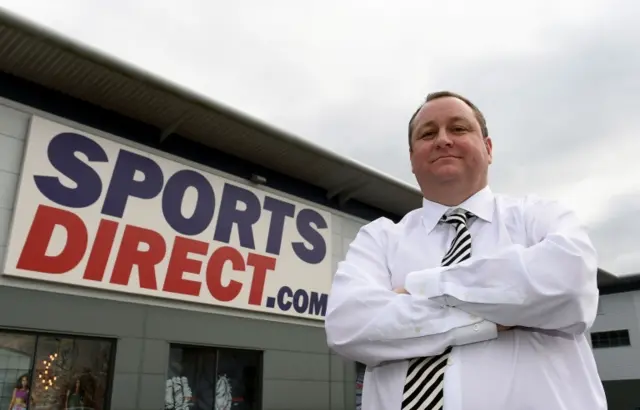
{"points": [[424, 384]]}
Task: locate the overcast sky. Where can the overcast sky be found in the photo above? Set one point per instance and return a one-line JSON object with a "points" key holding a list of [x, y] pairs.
{"points": [[559, 81]]}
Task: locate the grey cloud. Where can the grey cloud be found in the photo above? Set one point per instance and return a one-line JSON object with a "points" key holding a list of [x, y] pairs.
{"points": [[617, 238], [371, 127]]}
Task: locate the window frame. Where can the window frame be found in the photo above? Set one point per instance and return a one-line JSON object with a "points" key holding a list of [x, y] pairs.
{"points": [[609, 335]]}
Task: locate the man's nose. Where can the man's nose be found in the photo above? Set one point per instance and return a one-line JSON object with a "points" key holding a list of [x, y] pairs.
{"points": [[443, 139]]}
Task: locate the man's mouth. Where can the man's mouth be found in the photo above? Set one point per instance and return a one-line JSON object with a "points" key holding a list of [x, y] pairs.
{"points": [[444, 157]]}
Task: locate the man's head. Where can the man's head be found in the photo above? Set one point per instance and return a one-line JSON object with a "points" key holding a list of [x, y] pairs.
{"points": [[450, 148]]}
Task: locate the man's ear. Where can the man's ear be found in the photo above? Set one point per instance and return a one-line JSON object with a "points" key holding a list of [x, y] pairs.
{"points": [[488, 144], [413, 170]]}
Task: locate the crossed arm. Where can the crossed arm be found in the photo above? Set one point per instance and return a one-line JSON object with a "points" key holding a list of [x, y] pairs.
{"points": [[549, 285]]}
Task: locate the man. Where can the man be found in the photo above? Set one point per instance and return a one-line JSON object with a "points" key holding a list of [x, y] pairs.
{"points": [[475, 301]]}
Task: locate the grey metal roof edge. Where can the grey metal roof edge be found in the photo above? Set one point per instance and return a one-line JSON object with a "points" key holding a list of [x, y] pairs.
{"points": [[139, 74], [611, 283], [621, 284], [607, 273]]}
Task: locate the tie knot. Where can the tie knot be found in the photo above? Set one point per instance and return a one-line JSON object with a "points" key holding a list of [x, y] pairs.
{"points": [[457, 216]]}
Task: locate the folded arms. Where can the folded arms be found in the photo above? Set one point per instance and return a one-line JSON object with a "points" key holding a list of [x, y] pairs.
{"points": [[548, 285]]}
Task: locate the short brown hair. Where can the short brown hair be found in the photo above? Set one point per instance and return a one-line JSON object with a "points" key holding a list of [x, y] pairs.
{"points": [[440, 94]]}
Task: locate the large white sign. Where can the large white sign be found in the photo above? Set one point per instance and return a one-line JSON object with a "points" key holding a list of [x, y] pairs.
{"points": [[94, 213]]}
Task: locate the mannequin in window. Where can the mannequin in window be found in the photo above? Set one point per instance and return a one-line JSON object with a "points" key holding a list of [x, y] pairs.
{"points": [[178, 394], [21, 394], [75, 397]]}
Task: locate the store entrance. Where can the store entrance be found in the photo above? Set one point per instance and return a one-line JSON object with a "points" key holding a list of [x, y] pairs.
{"points": [[208, 378]]}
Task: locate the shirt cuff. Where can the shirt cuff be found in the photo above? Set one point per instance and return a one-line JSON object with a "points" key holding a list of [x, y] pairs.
{"points": [[426, 283], [478, 332]]}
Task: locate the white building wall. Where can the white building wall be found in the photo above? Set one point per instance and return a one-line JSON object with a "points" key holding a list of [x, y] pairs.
{"points": [[345, 230], [619, 312], [14, 123]]}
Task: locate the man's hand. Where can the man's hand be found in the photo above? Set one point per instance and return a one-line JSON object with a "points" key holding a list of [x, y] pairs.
{"points": [[503, 328], [401, 291]]}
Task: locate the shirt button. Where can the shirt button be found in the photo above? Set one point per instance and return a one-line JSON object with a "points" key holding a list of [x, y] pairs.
{"points": [[476, 327], [418, 329]]}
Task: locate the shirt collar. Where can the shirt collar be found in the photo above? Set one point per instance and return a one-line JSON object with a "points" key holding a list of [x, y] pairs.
{"points": [[480, 204]]}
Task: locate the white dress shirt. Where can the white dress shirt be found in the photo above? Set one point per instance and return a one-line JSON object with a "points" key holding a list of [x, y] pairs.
{"points": [[532, 266]]}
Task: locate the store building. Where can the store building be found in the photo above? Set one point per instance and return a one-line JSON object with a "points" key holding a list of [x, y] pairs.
{"points": [[158, 248], [615, 339]]}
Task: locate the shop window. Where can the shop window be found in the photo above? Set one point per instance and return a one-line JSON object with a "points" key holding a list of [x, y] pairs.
{"points": [[50, 372], [205, 378], [238, 379], [16, 361]]}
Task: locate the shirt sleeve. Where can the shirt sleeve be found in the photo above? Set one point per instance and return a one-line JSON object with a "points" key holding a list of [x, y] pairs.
{"points": [[551, 284], [367, 322]]}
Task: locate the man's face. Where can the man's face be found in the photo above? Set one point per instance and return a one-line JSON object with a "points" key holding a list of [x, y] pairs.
{"points": [[447, 144]]}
